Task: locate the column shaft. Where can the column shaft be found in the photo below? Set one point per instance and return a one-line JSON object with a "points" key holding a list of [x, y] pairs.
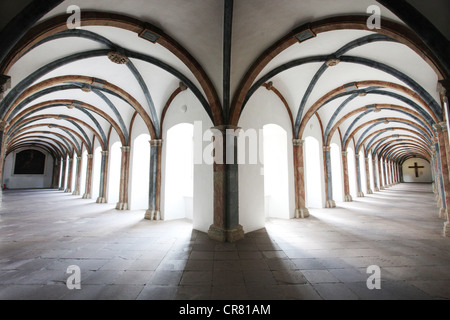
{"points": [[64, 175], [347, 196], [76, 192], [358, 177], [103, 177], [124, 178], [368, 189], [226, 226], [299, 172], [328, 178], [375, 174], [154, 212], [89, 168]]}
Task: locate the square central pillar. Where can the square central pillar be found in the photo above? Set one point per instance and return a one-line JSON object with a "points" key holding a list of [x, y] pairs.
{"points": [[226, 227]]}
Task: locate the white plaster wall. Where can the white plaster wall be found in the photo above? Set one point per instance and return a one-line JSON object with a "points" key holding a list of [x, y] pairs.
{"points": [[135, 196], [32, 181], [409, 174], [203, 205], [352, 171], [313, 129], [263, 108]]}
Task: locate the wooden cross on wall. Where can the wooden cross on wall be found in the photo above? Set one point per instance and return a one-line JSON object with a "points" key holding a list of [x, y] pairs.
{"points": [[416, 168]]}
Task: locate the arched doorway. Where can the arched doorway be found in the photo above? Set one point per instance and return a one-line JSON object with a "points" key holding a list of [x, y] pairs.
{"points": [[276, 183], [96, 172], [83, 172], [313, 173], [140, 173], [115, 155], [336, 171], [179, 172], [352, 172]]}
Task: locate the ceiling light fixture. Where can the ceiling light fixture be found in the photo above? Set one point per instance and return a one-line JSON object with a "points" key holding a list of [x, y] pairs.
{"points": [[98, 83], [150, 35], [351, 86], [303, 34]]}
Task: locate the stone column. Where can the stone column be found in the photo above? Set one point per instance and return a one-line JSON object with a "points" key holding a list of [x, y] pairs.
{"points": [[381, 173], [154, 197], [76, 192], [394, 173], [368, 190], [375, 175], [442, 134], [328, 178], [437, 180], [3, 125], [124, 178], [226, 227], [69, 174], [299, 171], [56, 173], [64, 175], [358, 177], [388, 173], [103, 177], [87, 193], [347, 196]]}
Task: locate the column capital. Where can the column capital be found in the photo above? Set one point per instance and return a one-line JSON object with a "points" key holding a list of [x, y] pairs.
{"points": [[125, 149], [70, 159], [105, 153], [156, 142], [298, 142], [440, 127], [326, 148], [443, 88], [225, 129], [367, 159], [344, 153], [5, 84], [78, 158], [90, 156], [3, 125]]}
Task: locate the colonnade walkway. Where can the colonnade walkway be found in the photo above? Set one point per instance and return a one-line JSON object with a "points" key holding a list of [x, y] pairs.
{"points": [[123, 256]]}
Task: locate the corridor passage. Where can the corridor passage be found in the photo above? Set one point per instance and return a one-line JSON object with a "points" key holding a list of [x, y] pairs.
{"points": [[123, 256]]}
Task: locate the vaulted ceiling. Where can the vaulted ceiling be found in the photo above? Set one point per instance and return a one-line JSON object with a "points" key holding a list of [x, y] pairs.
{"points": [[376, 89]]}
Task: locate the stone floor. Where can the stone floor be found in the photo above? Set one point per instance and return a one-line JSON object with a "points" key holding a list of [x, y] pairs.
{"points": [[122, 256]]}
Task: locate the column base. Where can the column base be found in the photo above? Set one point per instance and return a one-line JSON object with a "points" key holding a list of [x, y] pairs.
{"points": [[446, 232], [442, 212], [76, 193], [360, 195], [101, 200], [382, 188], [377, 189], [86, 196], [232, 235], [348, 198], [152, 215], [301, 213], [369, 191], [61, 189], [68, 191], [122, 206], [330, 204]]}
